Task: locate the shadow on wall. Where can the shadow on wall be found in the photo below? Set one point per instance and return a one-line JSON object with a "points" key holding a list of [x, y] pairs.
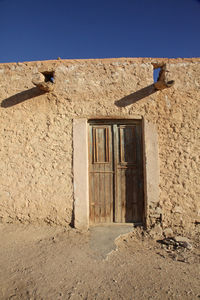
{"points": [[134, 97], [34, 92], [21, 97]]}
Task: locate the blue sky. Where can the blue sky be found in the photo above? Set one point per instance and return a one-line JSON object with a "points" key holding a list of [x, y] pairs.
{"points": [[47, 29]]}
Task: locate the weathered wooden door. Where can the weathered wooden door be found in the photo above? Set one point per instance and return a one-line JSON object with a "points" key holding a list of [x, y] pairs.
{"points": [[115, 171]]}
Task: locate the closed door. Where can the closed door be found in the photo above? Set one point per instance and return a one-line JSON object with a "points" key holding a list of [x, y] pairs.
{"points": [[115, 172]]}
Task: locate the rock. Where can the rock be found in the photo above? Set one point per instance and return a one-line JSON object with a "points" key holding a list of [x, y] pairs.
{"points": [[178, 210], [169, 242], [37, 78], [179, 238], [178, 241], [158, 210], [186, 245], [183, 242], [168, 232], [156, 231]]}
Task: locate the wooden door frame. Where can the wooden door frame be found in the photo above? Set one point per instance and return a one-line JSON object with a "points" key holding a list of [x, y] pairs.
{"points": [[80, 168]]}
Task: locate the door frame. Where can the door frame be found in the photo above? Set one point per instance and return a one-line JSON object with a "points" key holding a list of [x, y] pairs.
{"points": [[151, 171]]}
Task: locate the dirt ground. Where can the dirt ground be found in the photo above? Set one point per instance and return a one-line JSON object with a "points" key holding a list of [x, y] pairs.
{"points": [[43, 262]]}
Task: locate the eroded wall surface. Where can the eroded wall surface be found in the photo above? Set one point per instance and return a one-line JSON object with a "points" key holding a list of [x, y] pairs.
{"points": [[36, 146]]}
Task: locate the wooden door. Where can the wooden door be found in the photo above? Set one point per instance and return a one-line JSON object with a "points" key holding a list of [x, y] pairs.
{"points": [[115, 172]]}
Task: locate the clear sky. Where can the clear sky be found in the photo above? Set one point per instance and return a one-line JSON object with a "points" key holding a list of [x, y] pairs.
{"points": [[48, 29]]}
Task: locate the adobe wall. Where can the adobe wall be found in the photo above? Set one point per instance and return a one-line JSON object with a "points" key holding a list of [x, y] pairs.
{"points": [[36, 139]]}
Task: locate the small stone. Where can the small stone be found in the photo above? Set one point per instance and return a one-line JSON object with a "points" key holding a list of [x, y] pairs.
{"points": [[183, 242], [158, 210], [169, 242], [179, 238], [38, 77], [168, 232], [178, 210], [156, 231], [186, 245]]}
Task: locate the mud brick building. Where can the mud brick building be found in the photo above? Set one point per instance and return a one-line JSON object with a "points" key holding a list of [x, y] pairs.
{"points": [[98, 141]]}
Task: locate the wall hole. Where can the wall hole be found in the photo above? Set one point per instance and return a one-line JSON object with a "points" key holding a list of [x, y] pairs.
{"points": [[49, 76], [156, 73]]}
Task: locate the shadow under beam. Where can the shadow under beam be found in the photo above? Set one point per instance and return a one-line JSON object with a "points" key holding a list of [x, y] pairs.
{"points": [[21, 97], [134, 97]]}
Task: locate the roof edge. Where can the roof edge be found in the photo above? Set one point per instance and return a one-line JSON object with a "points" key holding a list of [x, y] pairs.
{"points": [[152, 60]]}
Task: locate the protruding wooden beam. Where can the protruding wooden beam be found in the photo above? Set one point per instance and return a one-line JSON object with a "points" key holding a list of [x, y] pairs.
{"points": [[162, 82], [160, 85], [45, 86], [39, 81]]}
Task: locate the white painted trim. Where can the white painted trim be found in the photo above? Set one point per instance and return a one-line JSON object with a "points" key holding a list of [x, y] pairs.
{"points": [[151, 168], [80, 167]]}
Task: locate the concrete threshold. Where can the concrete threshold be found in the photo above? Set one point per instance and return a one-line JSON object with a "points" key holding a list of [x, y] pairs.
{"points": [[102, 237]]}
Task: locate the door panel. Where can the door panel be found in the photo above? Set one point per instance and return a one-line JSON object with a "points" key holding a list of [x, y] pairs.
{"points": [[100, 144], [127, 144], [116, 172], [101, 174], [129, 200]]}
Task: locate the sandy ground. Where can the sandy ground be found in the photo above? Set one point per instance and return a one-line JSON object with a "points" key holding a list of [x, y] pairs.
{"points": [[56, 263]]}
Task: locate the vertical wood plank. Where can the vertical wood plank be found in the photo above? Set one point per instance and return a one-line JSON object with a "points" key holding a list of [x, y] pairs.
{"points": [[116, 195], [122, 201], [91, 178]]}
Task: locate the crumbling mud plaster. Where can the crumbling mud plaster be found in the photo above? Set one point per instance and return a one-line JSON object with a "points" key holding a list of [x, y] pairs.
{"points": [[36, 139]]}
